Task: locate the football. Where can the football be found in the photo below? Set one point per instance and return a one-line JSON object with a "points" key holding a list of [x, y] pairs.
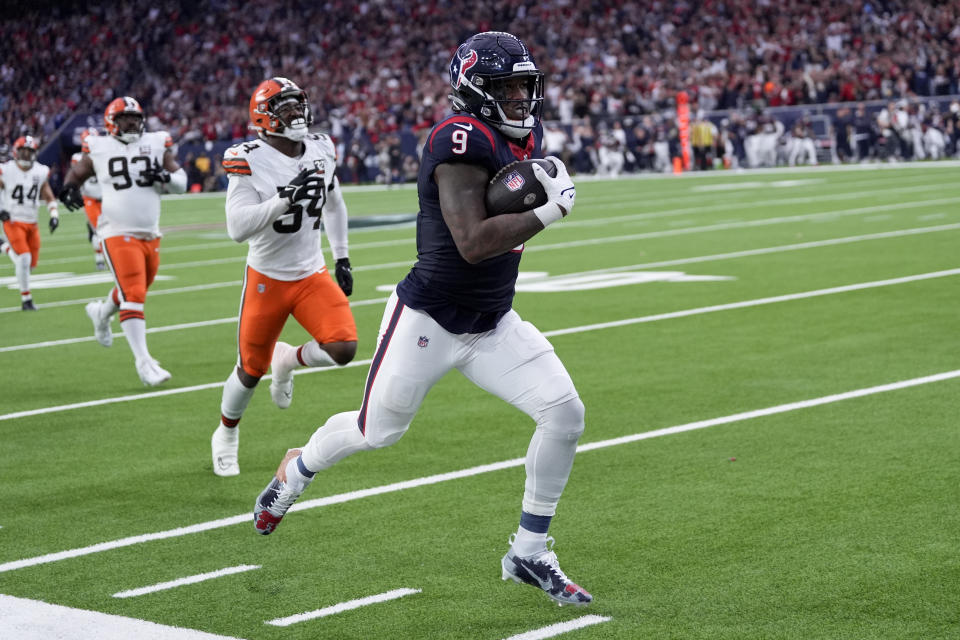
{"points": [[515, 188]]}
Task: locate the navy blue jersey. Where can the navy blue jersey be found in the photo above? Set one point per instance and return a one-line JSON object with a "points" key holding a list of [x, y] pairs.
{"points": [[461, 297]]}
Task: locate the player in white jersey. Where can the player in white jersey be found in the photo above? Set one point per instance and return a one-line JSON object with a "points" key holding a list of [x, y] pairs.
{"points": [[132, 168], [279, 185], [92, 204], [24, 184]]}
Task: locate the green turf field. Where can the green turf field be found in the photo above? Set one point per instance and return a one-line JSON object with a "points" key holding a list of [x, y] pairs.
{"points": [[771, 369]]}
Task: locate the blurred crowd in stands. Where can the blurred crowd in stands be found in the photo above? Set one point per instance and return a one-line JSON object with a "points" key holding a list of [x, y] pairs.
{"points": [[376, 74]]}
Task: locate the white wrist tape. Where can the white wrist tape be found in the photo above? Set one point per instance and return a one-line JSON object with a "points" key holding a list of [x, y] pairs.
{"points": [[548, 213], [178, 181]]}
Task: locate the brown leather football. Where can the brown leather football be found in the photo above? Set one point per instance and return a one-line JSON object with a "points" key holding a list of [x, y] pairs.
{"points": [[515, 188]]}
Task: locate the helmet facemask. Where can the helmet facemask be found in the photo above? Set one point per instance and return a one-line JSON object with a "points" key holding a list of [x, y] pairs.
{"points": [[25, 157], [129, 125], [517, 116], [25, 152], [294, 124]]}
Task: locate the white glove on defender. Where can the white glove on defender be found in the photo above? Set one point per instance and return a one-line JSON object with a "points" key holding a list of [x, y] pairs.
{"points": [[561, 194]]}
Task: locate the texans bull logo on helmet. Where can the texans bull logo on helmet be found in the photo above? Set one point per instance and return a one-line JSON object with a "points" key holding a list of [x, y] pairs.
{"points": [[465, 65]]}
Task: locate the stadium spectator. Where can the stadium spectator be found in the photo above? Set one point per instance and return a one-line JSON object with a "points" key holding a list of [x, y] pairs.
{"points": [[735, 55]]}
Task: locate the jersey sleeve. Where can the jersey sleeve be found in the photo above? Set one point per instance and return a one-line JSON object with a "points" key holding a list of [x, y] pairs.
{"points": [[235, 162], [461, 139]]}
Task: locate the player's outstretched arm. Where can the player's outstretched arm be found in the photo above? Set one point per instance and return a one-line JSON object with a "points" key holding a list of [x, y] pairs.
{"points": [[478, 237]]}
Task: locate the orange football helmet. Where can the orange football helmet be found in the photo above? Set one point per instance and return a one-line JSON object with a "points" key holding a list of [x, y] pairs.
{"points": [[265, 104], [25, 151], [124, 106]]}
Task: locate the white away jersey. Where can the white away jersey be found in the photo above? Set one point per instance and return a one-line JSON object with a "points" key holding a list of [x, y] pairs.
{"points": [[21, 189], [289, 247], [90, 187], [131, 206]]}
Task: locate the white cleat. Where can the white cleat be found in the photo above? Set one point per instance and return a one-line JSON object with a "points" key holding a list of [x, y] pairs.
{"points": [[151, 373], [101, 325], [542, 570], [225, 454], [282, 364]]}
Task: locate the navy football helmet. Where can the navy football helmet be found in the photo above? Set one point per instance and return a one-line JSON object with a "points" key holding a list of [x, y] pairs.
{"points": [[479, 73]]}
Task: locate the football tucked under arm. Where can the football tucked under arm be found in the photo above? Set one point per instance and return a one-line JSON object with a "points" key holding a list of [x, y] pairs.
{"points": [[515, 188]]}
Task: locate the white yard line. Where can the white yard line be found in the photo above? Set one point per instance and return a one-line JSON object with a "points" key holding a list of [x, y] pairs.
{"points": [[753, 303], [727, 226], [885, 235], [557, 332], [180, 582], [822, 216], [247, 518], [341, 607], [560, 628]]}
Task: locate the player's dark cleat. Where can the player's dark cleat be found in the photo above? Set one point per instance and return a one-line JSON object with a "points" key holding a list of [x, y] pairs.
{"points": [[542, 570], [27, 305], [284, 489]]}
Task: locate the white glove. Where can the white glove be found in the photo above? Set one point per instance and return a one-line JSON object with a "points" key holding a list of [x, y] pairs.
{"points": [[561, 194]]}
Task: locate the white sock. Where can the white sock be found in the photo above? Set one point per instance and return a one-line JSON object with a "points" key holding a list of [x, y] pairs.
{"points": [[227, 436], [335, 440], [21, 263], [528, 543], [107, 306], [315, 356], [235, 397], [135, 329], [294, 476]]}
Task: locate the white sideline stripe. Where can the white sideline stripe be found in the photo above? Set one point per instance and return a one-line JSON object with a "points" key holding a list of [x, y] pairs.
{"points": [[474, 471], [560, 628], [172, 584], [343, 606], [883, 235], [556, 332], [25, 619]]}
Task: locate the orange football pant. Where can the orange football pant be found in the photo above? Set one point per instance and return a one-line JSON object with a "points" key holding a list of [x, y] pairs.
{"points": [[92, 208], [316, 302], [24, 237], [134, 264]]}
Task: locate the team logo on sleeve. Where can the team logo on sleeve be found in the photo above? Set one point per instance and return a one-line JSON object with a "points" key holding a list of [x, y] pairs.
{"points": [[513, 181]]}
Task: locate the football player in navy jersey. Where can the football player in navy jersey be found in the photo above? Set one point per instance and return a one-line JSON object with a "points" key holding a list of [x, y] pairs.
{"points": [[454, 309]]}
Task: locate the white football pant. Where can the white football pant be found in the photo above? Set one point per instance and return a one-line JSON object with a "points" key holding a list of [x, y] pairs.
{"points": [[513, 361]]}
